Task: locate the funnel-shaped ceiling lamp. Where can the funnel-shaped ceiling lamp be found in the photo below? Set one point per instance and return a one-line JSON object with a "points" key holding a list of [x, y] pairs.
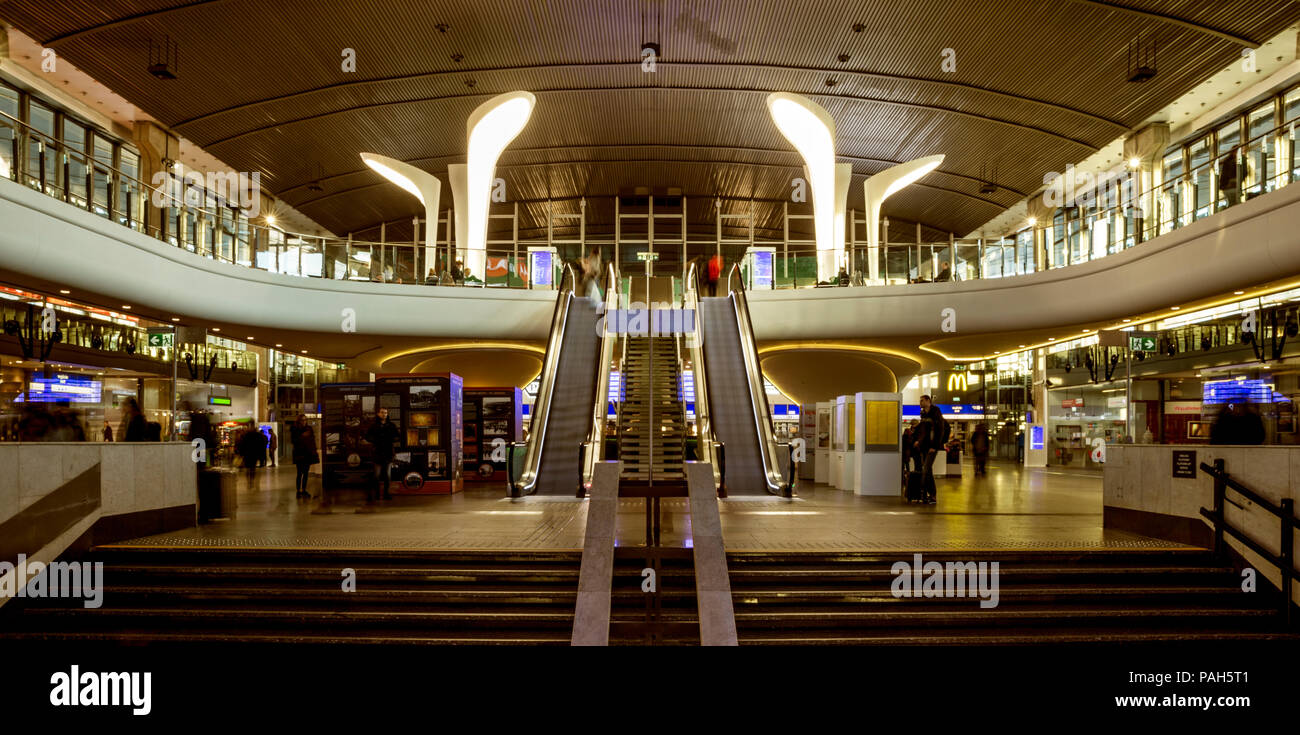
{"points": [[490, 128], [880, 187], [810, 129], [421, 184]]}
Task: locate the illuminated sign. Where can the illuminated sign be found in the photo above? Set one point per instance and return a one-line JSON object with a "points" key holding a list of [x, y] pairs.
{"points": [[763, 268], [956, 382], [1239, 391], [63, 388], [218, 400], [1036, 437], [541, 267]]}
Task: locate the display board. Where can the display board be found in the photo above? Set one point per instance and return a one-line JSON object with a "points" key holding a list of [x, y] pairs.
{"points": [[347, 411], [882, 425], [493, 419], [428, 412]]}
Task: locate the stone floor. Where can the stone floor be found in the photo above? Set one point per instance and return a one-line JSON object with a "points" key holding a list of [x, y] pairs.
{"points": [[1011, 508]]}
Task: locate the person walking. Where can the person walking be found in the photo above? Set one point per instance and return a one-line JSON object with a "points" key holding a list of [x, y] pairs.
{"points": [[108, 431], [382, 435], [979, 445], [252, 447], [303, 439], [133, 427]]}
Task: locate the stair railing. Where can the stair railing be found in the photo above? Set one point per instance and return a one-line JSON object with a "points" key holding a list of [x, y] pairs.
{"points": [[593, 450], [1287, 522], [706, 441], [767, 443], [546, 386]]}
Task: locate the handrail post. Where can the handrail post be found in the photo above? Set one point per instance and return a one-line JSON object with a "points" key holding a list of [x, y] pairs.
{"points": [[1219, 487], [1288, 555]]}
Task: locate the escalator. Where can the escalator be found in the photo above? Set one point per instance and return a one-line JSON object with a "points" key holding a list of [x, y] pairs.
{"points": [[571, 390], [739, 417]]}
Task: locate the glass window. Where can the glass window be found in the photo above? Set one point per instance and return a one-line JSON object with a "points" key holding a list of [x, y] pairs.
{"points": [[1200, 169], [9, 116], [129, 204], [1170, 201], [1227, 170], [1057, 232], [1260, 154], [101, 176], [74, 151], [1025, 251], [1291, 106], [42, 149]]}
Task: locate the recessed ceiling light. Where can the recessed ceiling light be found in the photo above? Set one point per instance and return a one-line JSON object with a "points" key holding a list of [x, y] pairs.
{"points": [[304, 352], [277, 344], [250, 339], [124, 306], [216, 329], [176, 319], [1126, 321], [997, 352], [1175, 308], [1022, 345], [64, 291], [1238, 293]]}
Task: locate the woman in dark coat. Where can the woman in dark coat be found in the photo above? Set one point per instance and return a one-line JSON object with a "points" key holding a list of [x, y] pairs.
{"points": [[304, 454]]}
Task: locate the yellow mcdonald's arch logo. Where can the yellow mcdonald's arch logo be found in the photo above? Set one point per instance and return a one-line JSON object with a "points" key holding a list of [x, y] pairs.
{"points": [[956, 382]]}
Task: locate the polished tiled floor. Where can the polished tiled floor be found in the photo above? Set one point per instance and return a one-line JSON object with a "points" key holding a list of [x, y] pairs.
{"points": [[1012, 508]]}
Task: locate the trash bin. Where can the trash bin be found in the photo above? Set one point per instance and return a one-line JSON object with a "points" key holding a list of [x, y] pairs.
{"points": [[217, 498], [953, 468]]}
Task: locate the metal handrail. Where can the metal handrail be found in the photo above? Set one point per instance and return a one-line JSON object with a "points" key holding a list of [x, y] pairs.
{"points": [[706, 441], [1287, 523], [767, 443], [546, 388], [594, 448]]}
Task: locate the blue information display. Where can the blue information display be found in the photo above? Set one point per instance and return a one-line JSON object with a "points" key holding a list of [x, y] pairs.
{"points": [[763, 268], [1036, 437], [62, 388], [542, 268], [1239, 391], [947, 409]]}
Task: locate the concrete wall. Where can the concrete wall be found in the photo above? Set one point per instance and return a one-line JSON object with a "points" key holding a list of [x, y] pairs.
{"points": [[1141, 494], [55, 494]]}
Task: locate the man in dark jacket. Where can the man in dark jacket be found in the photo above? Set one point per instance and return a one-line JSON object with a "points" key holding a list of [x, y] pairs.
{"points": [[383, 435], [252, 447], [928, 439]]}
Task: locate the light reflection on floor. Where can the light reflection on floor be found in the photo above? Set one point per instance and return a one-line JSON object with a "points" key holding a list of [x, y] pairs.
{"points": [[1010, 508]]}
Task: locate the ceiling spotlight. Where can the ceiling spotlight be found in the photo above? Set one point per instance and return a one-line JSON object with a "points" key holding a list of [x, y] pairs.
{"points": [[270, 220], [843, 58], [458, 58], [1135, 162], [1032, 221], [831, 81], [859, 27], [988, 187], [162, 71], [442, 27], [315, 187]]}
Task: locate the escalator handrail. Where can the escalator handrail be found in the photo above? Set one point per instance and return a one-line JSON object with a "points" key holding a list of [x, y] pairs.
{"points": [[706, 439], [546, 384], [595, 446], [767, 443]]}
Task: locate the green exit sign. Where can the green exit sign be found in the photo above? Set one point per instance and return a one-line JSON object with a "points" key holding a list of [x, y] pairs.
{"points": [[161, 339], [647, 256], [218, 401], [1142, 343]]}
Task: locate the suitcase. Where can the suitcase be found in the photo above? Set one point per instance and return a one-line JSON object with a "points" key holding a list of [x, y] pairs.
{"points": [[915, 488]]}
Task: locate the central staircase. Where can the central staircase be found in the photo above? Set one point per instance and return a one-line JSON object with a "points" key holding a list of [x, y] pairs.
{"points": [[651, 420]]}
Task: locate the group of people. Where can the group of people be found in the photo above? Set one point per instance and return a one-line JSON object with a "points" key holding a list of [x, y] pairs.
{"points": [[39, 422], [257, 449], [1237, 424]]}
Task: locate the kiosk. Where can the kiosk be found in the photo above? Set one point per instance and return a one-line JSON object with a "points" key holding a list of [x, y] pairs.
{"points": [[493, 421], [876, 453], [347, 411], [428, 412]]}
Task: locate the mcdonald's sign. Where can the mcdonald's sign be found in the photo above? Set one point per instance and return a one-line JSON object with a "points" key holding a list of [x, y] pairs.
{"points": [[957, 382]]}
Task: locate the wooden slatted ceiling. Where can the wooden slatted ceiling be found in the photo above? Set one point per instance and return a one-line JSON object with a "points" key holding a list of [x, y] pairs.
{"points": [[1037, 85]]}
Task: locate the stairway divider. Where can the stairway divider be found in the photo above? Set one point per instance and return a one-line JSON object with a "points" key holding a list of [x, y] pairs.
{"points": [[596, 578], [712, 581]]}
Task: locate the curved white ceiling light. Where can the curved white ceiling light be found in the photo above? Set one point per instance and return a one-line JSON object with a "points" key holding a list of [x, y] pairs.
{"points": [[811, 130], [421, 184], [880, 187], [490, 128]]}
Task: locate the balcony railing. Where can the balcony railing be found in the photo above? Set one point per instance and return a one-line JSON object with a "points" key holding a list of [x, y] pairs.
{"points": [[1266, 163]]}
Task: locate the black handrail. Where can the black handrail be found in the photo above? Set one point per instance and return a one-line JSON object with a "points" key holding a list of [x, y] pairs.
{"points": [[1287, 521]]}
